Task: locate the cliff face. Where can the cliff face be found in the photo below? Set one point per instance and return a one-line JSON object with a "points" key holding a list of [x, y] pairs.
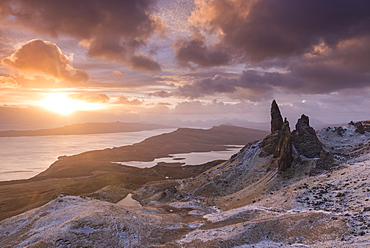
{"points": [[273, 193]]}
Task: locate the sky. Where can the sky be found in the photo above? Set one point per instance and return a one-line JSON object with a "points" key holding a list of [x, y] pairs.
{"points": [[182, 61]]}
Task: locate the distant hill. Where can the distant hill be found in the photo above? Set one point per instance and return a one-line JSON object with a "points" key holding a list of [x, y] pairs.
{"points": [[85, 128], [182, 140], [90, 171]]}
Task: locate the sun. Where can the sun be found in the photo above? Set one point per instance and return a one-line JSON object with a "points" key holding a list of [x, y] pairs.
{"points": [[62, 104]]}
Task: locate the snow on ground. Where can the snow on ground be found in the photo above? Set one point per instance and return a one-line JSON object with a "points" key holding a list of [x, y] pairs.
{"points": [[78, 221], [328, 210], [342, 139]]}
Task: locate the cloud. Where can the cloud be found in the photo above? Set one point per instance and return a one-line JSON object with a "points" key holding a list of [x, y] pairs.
{"points": [[268, 29], [116, 74], [110, 30], [43, 57], [196, 52], [144, 63], [161, 94], [250, 84], [100, 98], [306, 76], [298, 47], [124, 100], [208, 86], [332, 70], [8, 82], [240, 109]]}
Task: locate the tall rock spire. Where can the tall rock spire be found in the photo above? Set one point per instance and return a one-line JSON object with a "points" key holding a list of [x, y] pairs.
{"points": [[305, 139], [276, 118], [283, 156]]}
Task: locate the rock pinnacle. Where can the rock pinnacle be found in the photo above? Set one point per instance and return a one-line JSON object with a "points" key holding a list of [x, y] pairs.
{"points": [[276, 118]]}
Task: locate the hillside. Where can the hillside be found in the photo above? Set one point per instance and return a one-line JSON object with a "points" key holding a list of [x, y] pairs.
{"points": [[182, 140], [289, 189], [91, 171], [85, 128]]}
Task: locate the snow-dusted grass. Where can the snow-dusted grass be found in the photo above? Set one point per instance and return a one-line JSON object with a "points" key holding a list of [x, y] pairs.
{"points": [[327, 210], [345, 142]]}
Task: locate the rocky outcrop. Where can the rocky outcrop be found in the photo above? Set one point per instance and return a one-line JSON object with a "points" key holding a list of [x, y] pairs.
{"points": [[279, 142], [283, 156], [276, 118], [305, 139], [268, 145], [359, 127], [366, 125], [326, 162]]}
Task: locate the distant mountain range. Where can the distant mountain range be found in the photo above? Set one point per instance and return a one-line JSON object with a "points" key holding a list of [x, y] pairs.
{"points": [[85, 128]]}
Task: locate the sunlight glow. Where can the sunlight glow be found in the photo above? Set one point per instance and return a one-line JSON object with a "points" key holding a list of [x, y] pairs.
{"points": [[62, 104]]}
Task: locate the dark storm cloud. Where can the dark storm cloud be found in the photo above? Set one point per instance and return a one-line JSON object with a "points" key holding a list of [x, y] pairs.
{"points": [[315, 46], [145, 63], [265, 29], [197, 52], [306, 76], [109, 29], [258, 84], [208, 86]]}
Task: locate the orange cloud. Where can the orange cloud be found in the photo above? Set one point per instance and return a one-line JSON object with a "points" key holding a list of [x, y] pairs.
{"points": [[8, 82], [110, 30], [124, 100], [101, 98], [45, 58], [116, 74]]}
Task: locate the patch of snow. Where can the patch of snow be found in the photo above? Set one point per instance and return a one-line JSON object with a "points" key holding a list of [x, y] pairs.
{"points": [[211, 234], [233, 213], [173, 226], [270, 244], [195, 224], [128, 201], [196, 212], [347, 141]]}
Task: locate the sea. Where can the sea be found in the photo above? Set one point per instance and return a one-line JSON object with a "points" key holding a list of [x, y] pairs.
{"points": [[25, 157]]}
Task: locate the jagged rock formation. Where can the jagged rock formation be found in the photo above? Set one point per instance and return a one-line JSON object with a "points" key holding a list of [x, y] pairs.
{"points": [[279, 142], [283, 156], [276, 118], [305, 139]]}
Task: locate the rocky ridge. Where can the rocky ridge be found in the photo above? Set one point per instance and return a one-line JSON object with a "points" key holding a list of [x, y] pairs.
{"points": [[273, 193]]}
